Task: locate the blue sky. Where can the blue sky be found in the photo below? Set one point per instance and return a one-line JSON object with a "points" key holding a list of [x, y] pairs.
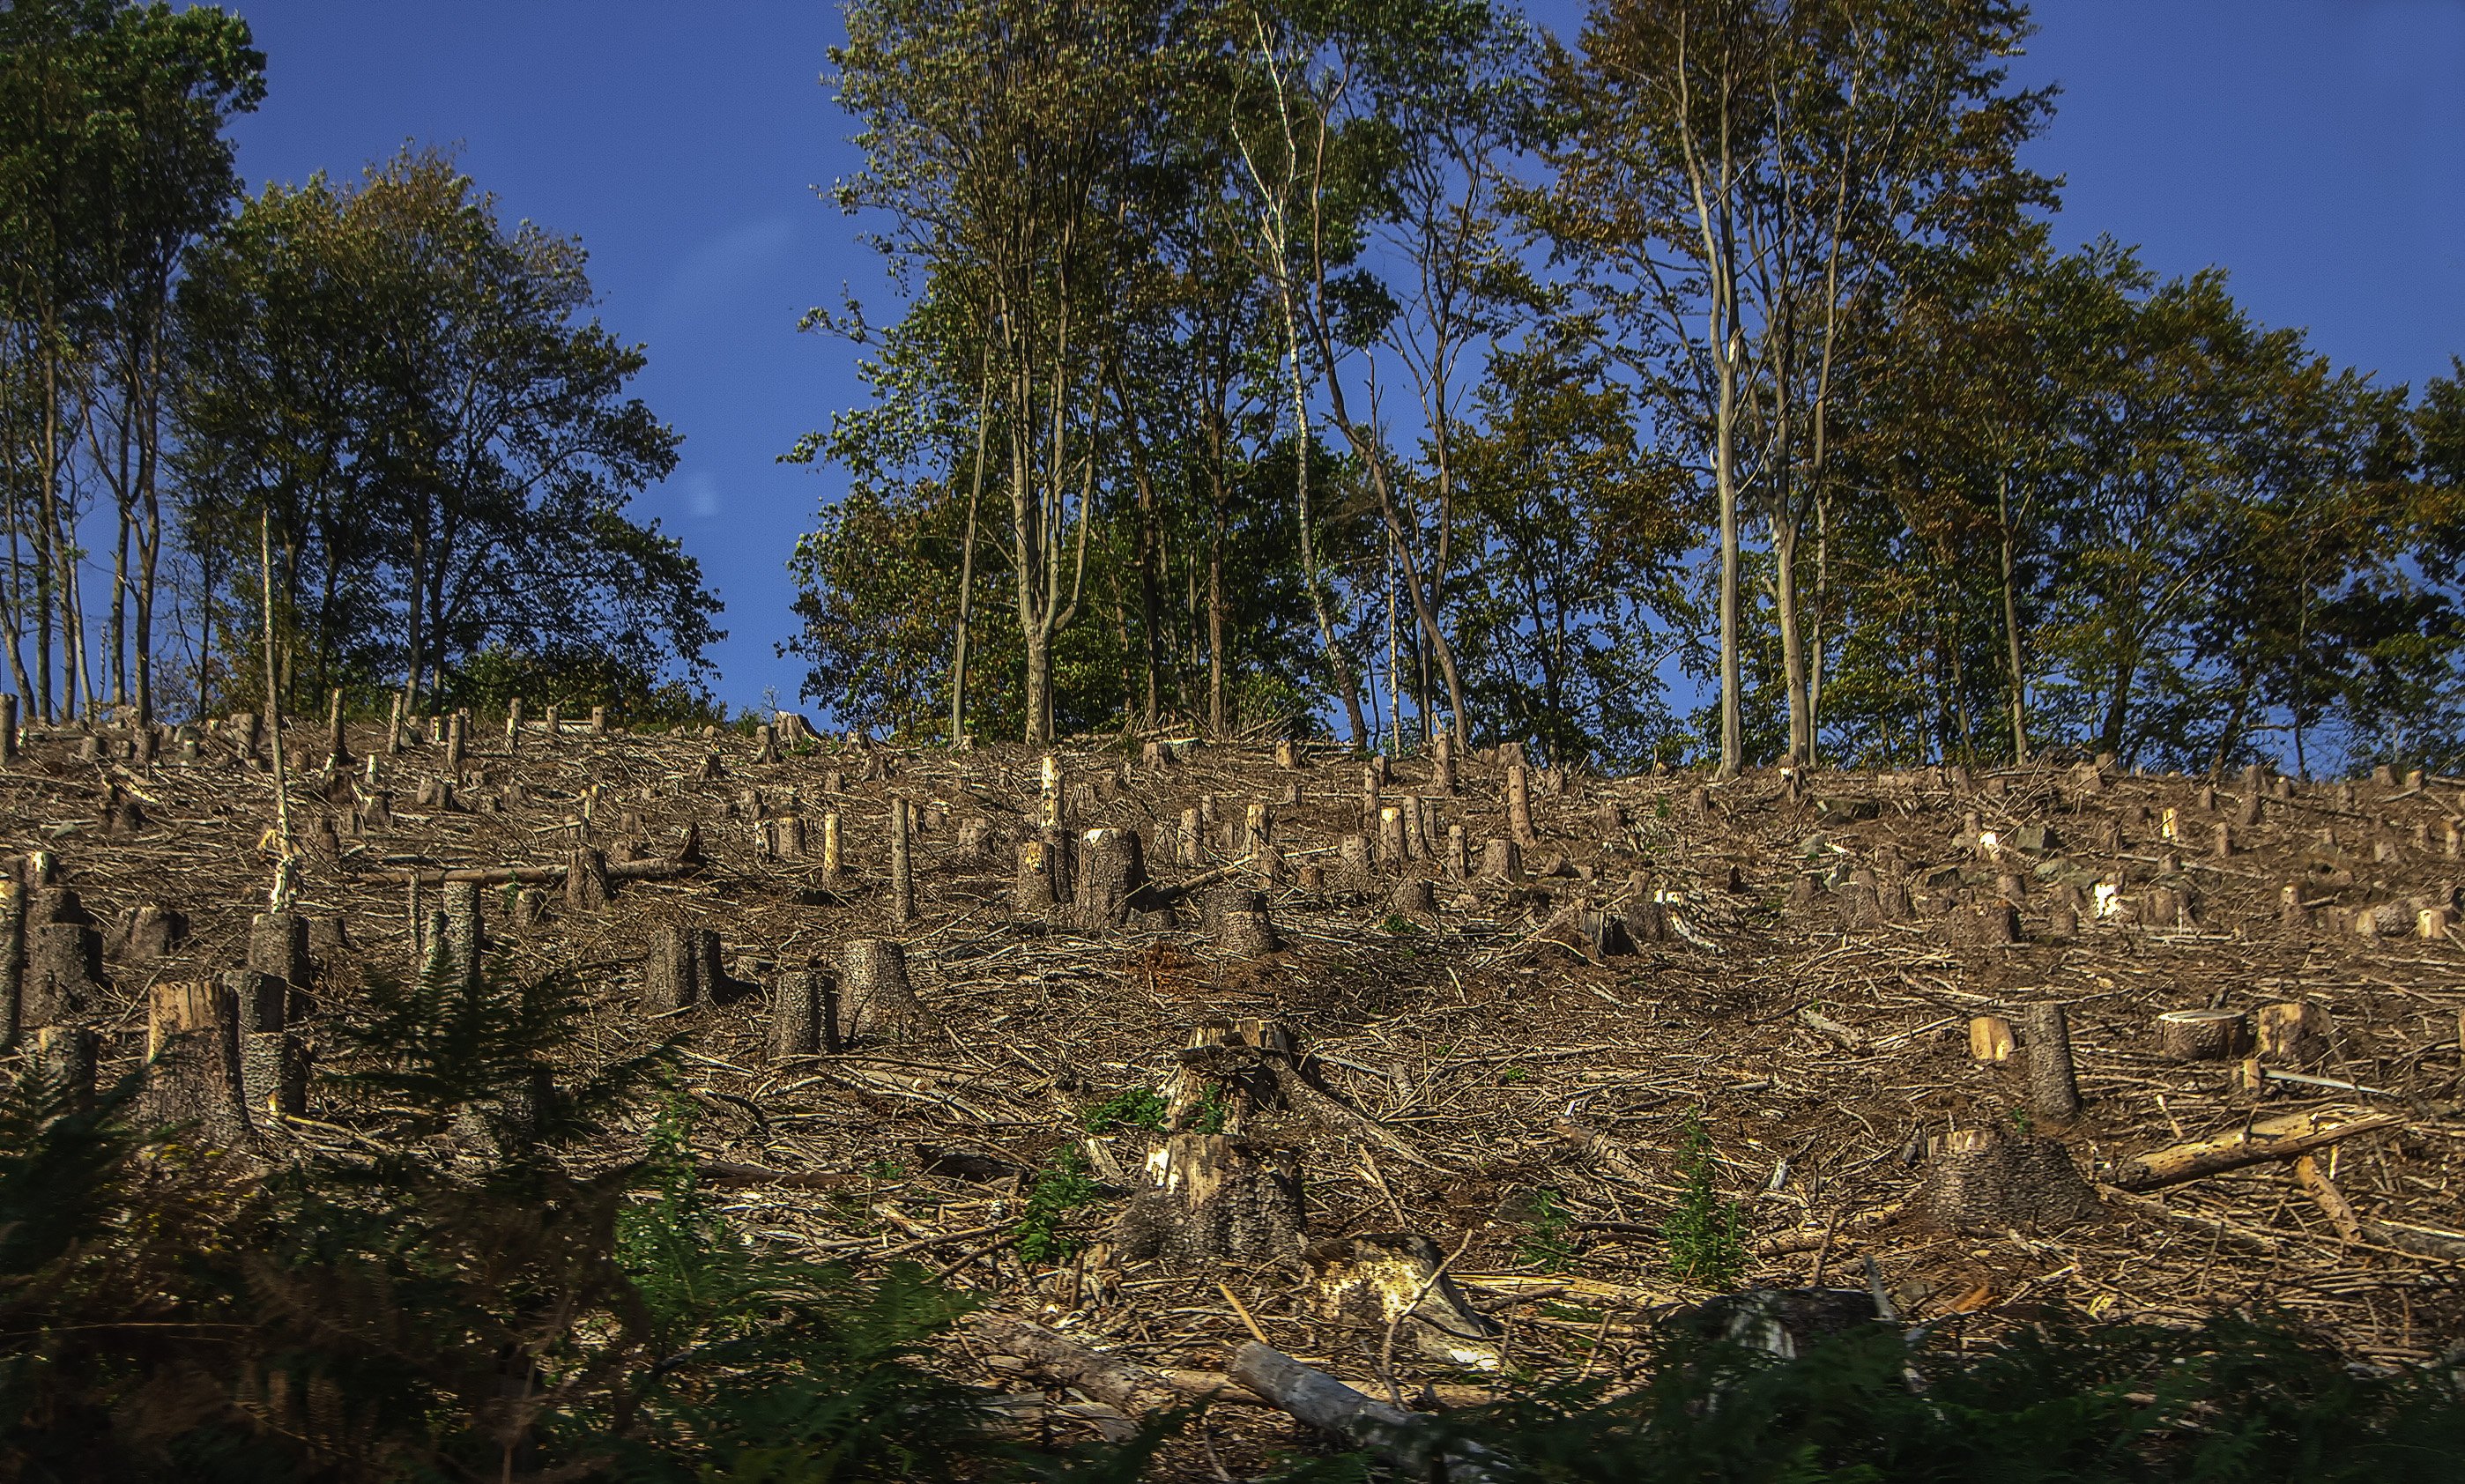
{"points": [[2316, 148]]}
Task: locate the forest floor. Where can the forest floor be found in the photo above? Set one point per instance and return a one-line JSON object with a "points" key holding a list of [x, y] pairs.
{"points": [[1494, 1080]]}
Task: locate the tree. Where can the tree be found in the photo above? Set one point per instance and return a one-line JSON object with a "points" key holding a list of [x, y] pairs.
{"points": [[443, 444]]}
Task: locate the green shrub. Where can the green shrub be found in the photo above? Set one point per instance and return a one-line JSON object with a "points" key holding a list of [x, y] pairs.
{"points": [[1704, 1235]]}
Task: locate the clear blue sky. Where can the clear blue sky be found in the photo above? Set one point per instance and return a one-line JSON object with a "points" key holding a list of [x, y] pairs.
{"points": [[2316, 148]]}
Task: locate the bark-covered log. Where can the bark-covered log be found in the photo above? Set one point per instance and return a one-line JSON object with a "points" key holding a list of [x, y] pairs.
{"points": [[1318, 1400], [2282, 1137]]}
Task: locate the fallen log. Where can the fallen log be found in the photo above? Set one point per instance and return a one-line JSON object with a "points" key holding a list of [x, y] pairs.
{"points": [[2270, 1139], [1060, 1361], [1405, 1439]]}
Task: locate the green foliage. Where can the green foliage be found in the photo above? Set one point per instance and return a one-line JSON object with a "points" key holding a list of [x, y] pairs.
{"points": [[1548, 1240], [1703, 1235], [1133, 1107], [1211, 1115], [1059, 1191], [409, 389], [435, 1292], [2254, 1401]]}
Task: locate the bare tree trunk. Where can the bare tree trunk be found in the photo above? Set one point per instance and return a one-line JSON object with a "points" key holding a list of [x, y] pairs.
{"points": [[967, 558], [2011, 626]]}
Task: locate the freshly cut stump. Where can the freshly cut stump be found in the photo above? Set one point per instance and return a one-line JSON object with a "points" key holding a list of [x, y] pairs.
{"points": [[192, 1068], [1984, 1181], [2204, 1035]]}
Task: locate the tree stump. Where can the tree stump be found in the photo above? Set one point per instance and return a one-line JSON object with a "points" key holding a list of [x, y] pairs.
{"points": [[1212, 1199], [1191, 839], [2204, 1035], [1647, 921], [2054, 1090], [1518, 805], [586, 879], [1984, 1181], [1257, 826], [1988, 924], [1393, 1280], [875, 998], [1032, 888], [2296, 1033], [272, 1064], [975, 840], [1352, 868], [1989, 1039], [1442, 765], [804, 1018], [65, 1058], [1237, 922], [1112, 870], [1861, 905], [1392, 850], [8, 729], [834, 875], [278, 949], [1413, 901], [903, 869], [1502, 860], [672, 975], [145, 934], [1370, 799], [192, 1069], [63, 972], [1459, 862]]}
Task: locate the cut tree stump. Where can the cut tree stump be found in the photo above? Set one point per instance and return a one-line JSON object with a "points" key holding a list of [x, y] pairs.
{"points": [[672, 975], [192, 1068], [63, 973], [2204, 1035], [2295, 1032], [1238, 924], [1112, 872], [1983, 1180], [803, 1018], [875, 998], [1212, 1199], [1989, 1039], [2053, 1092]]}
